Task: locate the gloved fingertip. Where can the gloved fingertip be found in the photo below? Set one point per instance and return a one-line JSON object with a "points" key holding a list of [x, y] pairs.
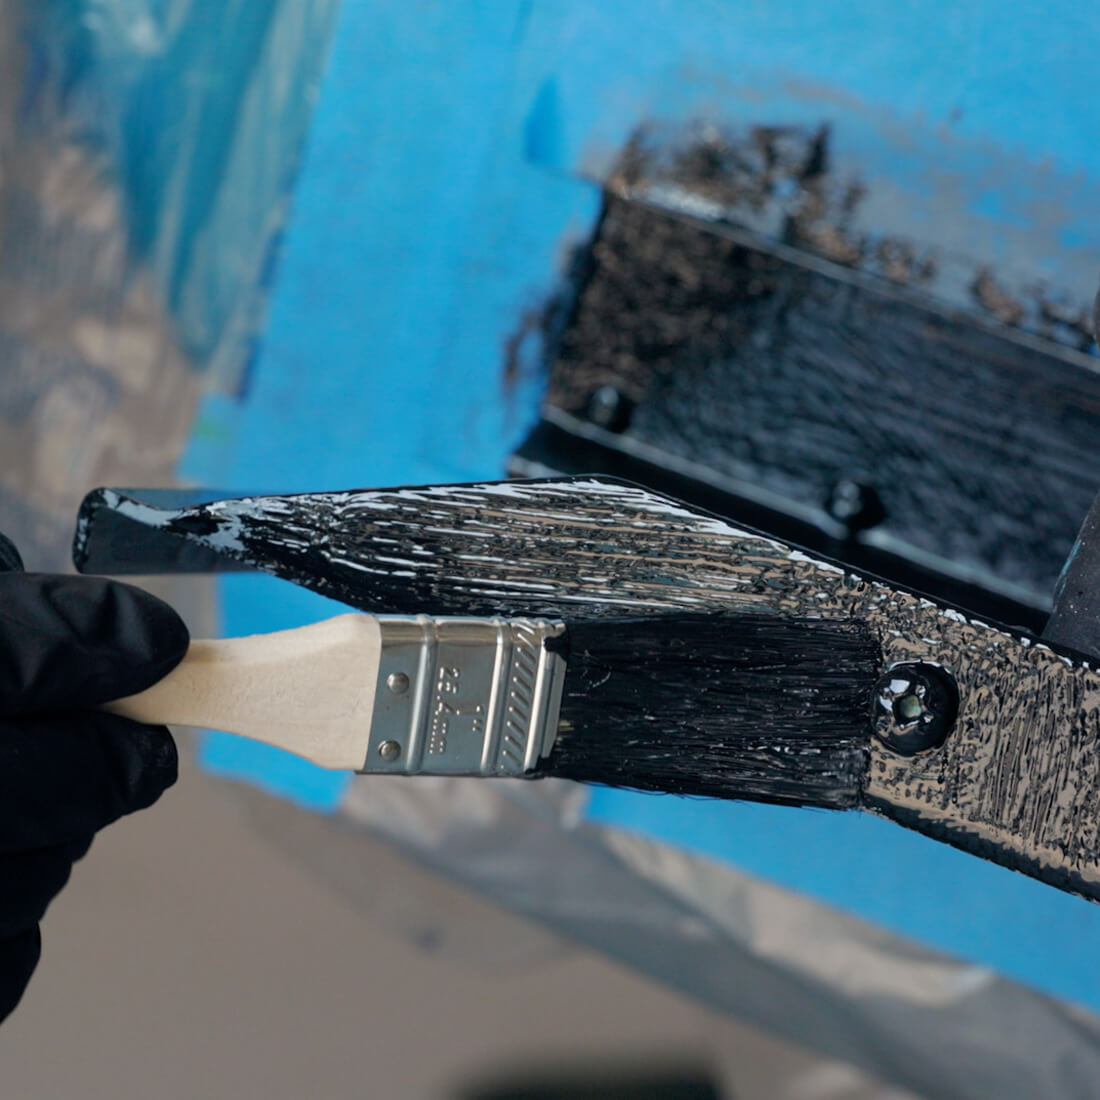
{"points": [[70, 641], [161, 769], [151, 626], [64, 777], [147, 764]]}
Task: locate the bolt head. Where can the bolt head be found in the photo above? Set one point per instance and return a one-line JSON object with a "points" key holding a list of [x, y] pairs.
{"points": [[610, 408], [389, 751], [855, 504], [914, 707]]}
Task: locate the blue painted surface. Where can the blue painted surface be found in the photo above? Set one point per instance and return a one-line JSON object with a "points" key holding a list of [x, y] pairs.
{"points": [[420, 234], [439, 192]]}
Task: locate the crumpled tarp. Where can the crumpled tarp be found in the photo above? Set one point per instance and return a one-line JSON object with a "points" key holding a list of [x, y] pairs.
{"points": [[148, 151]]}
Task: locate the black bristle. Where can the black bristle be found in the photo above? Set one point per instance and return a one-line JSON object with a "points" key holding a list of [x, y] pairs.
{"points": [[751, 706]]}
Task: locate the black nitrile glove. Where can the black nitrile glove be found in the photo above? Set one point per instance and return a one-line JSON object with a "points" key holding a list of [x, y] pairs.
{"points": [[68, 644]]}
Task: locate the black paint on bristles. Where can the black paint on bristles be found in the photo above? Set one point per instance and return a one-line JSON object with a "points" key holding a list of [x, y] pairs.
{"points": [[750, 706]]}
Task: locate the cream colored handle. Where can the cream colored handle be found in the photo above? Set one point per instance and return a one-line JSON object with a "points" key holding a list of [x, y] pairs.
{"points": [[309, 690]]}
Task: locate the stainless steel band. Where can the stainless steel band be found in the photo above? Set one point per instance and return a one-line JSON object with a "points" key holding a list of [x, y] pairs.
{"points": [[459, 696]]}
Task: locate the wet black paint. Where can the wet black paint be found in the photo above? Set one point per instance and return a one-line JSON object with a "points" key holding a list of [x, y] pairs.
{"points": [[1011, 782], [726, 706], [771, 336], [761, 369]]}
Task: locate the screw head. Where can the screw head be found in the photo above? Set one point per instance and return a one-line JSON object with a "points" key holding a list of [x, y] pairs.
{"points": [[610, 408], [397, 682], [389, 751], [914, 707], [855, 504]]}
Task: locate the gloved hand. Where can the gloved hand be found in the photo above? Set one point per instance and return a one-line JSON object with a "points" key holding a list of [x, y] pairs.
{"points": [[68, 644]]}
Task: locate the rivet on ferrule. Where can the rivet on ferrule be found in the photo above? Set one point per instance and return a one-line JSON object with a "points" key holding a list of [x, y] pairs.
{"points": [[459, 696]]}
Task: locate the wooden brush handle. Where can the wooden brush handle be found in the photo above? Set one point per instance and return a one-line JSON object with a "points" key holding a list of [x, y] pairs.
{"points": [[309, 690]]}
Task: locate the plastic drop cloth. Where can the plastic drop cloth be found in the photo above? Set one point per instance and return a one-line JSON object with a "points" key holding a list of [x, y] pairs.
{"points": [[147, 154], [933, 1025]]}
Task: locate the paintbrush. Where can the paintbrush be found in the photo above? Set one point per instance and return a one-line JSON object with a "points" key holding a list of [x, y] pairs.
{"points": [[664, 648], [725, 705]]}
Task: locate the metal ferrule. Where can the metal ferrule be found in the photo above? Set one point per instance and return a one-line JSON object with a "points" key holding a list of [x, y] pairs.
{"points": [[464, 696]]}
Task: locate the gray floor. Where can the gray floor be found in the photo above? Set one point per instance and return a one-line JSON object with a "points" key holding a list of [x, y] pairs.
{"points": [[190, 958]]}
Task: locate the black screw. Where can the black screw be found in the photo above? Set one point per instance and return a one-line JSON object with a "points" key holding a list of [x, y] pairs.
{"points": [[855, 504], [914, 707], [610, 408]]}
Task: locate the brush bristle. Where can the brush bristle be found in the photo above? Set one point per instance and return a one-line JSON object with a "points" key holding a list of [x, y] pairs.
{"points": [[749, 706]]}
